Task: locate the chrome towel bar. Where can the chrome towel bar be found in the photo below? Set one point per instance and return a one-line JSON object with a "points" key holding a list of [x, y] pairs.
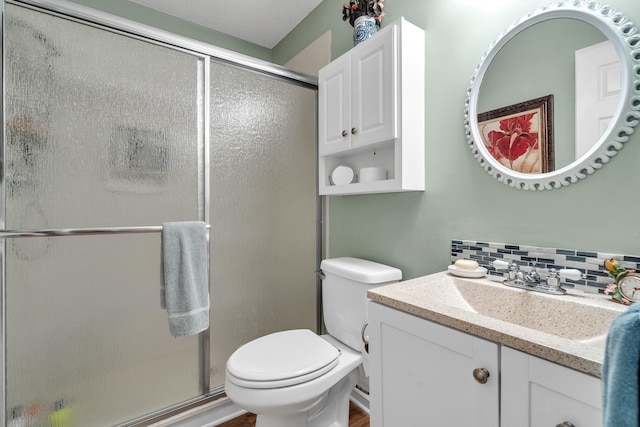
{"points": [[61, 232]]}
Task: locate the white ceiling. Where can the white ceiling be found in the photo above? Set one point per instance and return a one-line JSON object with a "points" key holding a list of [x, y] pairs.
{"points": [[264, 23]]}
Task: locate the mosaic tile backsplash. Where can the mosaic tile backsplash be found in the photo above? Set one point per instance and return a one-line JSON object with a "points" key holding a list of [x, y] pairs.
{"points": [[588, 262]]}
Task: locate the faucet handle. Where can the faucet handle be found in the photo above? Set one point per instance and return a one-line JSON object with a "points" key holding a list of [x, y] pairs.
{"points": [[571, 273], [502, 265], [553, 283], [553, 279], [513, 272]]}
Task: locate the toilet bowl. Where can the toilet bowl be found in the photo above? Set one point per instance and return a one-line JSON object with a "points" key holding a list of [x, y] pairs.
{"points": [[299, 401], [297, 378]]}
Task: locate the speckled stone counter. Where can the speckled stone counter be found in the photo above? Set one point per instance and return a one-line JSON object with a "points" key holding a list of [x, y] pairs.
{"points": [[569, 329]]}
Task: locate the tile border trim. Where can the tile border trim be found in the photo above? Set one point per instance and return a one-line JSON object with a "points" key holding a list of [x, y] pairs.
{"points": [[588, 262]]}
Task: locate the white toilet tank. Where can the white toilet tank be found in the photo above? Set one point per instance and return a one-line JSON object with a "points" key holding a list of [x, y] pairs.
{"points": [[344, 295]]}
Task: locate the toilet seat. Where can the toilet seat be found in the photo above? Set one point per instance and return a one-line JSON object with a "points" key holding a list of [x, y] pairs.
{"points": [[282, 359]]}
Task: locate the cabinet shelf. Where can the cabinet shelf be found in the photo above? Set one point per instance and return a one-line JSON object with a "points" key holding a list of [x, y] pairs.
{"points": [[371, 112]]}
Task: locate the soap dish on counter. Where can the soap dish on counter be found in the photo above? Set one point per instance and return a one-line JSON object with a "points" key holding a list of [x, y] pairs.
{"points": [[477, 273]]}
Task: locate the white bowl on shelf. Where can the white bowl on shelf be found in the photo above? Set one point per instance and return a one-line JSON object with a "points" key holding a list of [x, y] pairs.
{"points": [[342, 175]]}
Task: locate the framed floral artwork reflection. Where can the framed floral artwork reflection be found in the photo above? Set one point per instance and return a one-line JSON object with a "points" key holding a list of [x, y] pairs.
{"points": [[520, 136]]}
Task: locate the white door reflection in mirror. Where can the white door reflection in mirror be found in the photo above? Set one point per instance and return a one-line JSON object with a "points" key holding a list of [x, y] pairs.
{"points": [[598, 84]]}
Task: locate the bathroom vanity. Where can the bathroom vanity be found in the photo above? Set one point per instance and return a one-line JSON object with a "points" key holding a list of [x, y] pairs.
{"points": [[473, 352]]}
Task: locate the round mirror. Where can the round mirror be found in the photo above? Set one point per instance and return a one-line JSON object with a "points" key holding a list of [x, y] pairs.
{"points": [[529, 120]]}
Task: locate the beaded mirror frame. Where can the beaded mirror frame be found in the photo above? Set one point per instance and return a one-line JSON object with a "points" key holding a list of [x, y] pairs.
{"points": [[625, 37]]}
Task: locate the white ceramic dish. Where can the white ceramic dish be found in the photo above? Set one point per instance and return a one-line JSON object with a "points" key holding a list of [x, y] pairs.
{"points": [[478, 272], [342, 175]]}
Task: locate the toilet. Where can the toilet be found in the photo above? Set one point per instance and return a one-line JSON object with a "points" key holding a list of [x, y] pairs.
{"points": [[297, 378]]}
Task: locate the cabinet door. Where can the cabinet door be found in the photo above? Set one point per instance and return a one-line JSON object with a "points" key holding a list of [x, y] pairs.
{"points": [[538, 393], [334, 106], [374, 88], [422, 373]]}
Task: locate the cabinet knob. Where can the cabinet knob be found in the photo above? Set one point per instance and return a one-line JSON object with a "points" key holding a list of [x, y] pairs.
{"points": [[354, 131], [565, 424], [481, 375], [344, 133]]}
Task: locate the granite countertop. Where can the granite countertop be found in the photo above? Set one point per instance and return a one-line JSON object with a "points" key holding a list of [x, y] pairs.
{"points": [[568, 329]]}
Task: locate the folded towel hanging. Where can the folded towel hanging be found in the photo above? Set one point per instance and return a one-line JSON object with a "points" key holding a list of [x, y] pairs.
{"points": [[620, 371], [185, 287]]}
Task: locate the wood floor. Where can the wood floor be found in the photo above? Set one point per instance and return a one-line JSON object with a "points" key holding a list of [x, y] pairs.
{"points": [[357, 418]]}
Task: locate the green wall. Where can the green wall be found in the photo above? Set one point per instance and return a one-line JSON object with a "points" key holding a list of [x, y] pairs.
{"points": [[153, 18], [413, 231]]}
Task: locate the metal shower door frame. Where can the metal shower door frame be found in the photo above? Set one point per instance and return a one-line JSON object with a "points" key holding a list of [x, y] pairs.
{"points": [[203, 51]]}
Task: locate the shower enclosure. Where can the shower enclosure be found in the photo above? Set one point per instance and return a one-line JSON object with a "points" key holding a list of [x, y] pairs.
{"points": [[110, 129]]}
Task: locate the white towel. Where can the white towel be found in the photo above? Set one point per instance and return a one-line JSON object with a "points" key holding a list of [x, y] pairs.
{"points": [[184, 289]]}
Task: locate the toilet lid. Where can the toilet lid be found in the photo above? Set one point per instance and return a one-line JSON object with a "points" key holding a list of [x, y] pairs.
{"points": [[295, 354]]}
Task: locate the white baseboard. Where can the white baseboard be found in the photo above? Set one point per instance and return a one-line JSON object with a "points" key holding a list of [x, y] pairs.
{"points": [[360, 399]]}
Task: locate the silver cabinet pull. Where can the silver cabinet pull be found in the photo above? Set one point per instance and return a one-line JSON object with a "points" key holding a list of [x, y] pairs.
{"points": [[354, 131], [565, 424], [344, 133], [481, 375]]}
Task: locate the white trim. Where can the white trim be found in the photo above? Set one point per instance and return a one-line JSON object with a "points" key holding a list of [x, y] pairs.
{"points": [[360, 399], [209, 415]]}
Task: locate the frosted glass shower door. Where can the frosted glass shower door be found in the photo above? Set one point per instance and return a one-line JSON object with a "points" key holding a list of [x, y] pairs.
{"points": [[102, 130], [264, 209]]}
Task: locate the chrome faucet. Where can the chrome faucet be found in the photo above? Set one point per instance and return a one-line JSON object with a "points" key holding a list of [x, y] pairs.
{"points": [[531, 279]]}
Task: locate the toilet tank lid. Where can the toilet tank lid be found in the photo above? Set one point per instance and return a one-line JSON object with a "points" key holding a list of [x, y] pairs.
{"points": [[360, 270]]}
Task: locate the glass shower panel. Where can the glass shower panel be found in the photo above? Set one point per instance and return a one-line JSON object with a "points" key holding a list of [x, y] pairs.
{"points": [[85, 327], [264, 209], [102, 130]]}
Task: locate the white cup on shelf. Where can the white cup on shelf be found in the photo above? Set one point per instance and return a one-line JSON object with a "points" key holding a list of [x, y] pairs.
{"points": [[371, 174]]}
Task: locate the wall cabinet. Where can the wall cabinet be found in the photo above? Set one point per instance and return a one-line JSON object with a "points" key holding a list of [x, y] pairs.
{"points": [[358, 92], [371, 112], [423, 373]]}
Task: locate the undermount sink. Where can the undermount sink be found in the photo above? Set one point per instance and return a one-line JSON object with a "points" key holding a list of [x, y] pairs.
{"points": [[580, 318]]}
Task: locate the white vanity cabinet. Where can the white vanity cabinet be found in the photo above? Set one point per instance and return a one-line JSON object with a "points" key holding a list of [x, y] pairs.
{"points": [[422, 373], [538, 393], [371, 112]]}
